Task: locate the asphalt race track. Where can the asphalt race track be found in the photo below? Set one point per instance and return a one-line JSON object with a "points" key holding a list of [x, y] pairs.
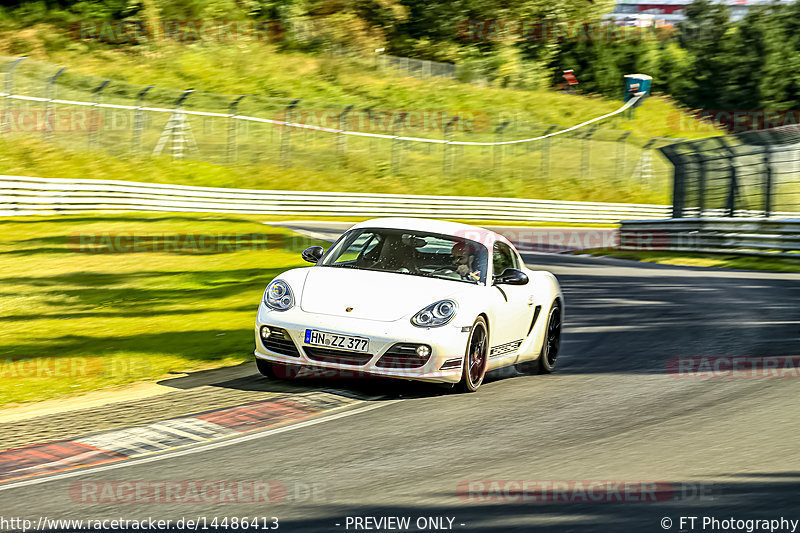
{"points": [[615, 411]]}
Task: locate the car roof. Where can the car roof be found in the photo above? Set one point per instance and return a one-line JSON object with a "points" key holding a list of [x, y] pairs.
{"points": [[456, 229]]}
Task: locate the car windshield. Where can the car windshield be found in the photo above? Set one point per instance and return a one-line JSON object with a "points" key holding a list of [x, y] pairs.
{"points": [[415, 253]]}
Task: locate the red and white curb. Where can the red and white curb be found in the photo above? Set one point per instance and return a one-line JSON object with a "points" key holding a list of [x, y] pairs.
{"points": [[157, 437]]}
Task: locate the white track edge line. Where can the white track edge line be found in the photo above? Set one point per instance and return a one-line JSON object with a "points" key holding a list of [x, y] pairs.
{"points": [[195, 448]]}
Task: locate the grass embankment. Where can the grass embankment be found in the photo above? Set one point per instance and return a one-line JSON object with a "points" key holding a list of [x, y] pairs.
{"points": [[262, 70], [326, 85], [773, 264], [76, 320]]}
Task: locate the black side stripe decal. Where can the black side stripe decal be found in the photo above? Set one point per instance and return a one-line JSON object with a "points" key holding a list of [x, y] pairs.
{"points": [[504, 349]]}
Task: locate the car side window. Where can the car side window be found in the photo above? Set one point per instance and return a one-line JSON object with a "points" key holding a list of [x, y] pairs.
{"points": [[363, 244], [502, 258]]}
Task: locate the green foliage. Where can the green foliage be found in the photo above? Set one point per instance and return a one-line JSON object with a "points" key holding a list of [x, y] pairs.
{"points": [[670, 72], [704, 36], [707, 62]]}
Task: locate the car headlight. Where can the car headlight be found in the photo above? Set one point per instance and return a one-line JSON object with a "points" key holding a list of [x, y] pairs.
{"points": [[278, 296], [436, 314]]}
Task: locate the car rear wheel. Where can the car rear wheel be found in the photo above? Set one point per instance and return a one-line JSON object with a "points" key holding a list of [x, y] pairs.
{"points": [[474, 368], [546, 361]]}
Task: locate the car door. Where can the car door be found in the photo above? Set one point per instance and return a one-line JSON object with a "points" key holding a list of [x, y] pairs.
{"points": [[514, 307]]}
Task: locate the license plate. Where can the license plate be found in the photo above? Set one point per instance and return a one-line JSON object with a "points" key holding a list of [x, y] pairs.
{"points": [[334, 340]]}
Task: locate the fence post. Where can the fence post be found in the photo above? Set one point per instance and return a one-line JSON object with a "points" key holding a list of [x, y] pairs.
{"points": [[497, 159], [546, 151], [368, 111], [767, 181], [678, 191], [174, 130], [8, 86], [448, 138], [646, 162], [233, 124], [395, 150], [621, 149], [341, 138], [179, 125], [138, 120], [286, 147], [680, 160], [733, 184], [679, 163], [586, 153], [49, 107], [701, 184], [93, 124]]}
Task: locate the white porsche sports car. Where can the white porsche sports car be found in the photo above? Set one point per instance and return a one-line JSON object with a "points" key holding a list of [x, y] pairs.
{"points": [[413, 299]]}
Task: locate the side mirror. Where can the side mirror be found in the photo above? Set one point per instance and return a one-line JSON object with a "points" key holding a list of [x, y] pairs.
{"points": [[313, 254], [511, 276]]}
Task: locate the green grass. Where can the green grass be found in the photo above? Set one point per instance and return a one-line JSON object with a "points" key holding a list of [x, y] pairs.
{"points": [[29, 156], [774, 264], [96, 320]]}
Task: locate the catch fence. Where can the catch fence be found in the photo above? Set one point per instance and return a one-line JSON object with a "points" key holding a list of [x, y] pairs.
{"points": [[751, 174], [85, 112]]}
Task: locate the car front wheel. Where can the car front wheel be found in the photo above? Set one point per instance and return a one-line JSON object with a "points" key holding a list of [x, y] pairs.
{"points": [[474, 367], [552, 341]]}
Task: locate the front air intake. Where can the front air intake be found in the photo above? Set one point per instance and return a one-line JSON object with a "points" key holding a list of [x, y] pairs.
{"points": [[279, 342], [404, 355]]}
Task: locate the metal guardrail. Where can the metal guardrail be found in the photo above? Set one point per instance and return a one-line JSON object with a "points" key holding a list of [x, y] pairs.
{"points": [[49, 196], [740, 236]]}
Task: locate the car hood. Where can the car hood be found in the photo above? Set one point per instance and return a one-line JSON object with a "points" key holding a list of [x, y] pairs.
{"points": [[381, 296]]}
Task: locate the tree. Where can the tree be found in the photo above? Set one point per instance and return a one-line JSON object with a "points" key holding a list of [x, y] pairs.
{"points": [[779, 82], [702, 35]]}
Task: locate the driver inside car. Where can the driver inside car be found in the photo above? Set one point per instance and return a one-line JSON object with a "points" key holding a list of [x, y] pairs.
{"points": [[463, 259]]}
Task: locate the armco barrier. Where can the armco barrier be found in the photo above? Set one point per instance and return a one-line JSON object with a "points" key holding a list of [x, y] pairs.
{"points": [[745, 236], [50, 196]]}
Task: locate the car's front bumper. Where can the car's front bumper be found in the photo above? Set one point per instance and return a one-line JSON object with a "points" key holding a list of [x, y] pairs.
{"points": [[448, 343]]}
